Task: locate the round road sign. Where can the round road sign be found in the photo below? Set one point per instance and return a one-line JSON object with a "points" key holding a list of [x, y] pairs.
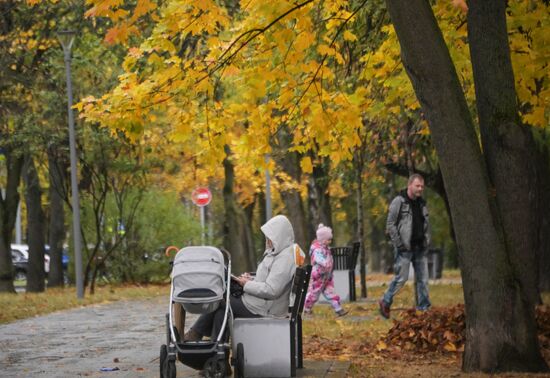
{"points": [[201, 196]]}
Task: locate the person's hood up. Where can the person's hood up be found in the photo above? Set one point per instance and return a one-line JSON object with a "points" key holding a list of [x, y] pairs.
{"points": [[279, 230]]}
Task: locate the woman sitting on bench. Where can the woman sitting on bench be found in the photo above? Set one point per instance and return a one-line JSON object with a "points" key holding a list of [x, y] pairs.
{"points": [[266, 294]]}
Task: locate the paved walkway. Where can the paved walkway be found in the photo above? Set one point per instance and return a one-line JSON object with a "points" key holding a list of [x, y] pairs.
{"points": [[126, 335]]}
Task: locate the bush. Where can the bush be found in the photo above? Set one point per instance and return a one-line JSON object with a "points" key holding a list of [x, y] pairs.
{"points": [[160, 220]]}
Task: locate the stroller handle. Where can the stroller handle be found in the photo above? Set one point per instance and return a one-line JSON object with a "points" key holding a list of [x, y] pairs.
{"points": [[226, 253]]}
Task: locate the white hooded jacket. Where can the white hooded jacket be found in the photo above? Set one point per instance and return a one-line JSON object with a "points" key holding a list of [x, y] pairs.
{"points": [[268, 294]]}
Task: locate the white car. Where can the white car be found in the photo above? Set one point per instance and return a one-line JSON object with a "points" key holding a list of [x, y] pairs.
{"points": [[24, 249]]}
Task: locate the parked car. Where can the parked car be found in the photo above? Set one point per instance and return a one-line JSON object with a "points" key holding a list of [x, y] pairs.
{"points": [[20, 260], [20, 263], [24, 250]]}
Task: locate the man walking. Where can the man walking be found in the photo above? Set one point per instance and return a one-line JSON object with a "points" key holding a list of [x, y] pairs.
{"points": [[409, 229]]}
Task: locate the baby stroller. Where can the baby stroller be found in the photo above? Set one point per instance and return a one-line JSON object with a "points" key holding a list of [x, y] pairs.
{"points": [[200, 282]]}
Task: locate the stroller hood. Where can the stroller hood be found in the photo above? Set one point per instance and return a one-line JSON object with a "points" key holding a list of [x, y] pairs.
{"points": [[279, 230], [198, 278]]}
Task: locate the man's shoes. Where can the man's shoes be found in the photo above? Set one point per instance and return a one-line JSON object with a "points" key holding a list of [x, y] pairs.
{"points": [[342, 312], [192, 335], [384, 309]]}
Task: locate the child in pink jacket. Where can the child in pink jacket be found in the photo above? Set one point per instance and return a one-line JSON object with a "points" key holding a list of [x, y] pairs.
{"points": [[321, 281]]}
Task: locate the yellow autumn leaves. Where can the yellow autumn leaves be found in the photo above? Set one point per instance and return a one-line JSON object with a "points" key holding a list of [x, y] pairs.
{"points": [[210, 76]]}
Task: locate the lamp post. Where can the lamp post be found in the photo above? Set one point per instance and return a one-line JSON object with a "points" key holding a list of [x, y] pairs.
{"points": [[66, 37], [268, 211]]}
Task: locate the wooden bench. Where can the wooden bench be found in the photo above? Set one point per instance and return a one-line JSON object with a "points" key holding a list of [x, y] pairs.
{"points": [[272, 347]]}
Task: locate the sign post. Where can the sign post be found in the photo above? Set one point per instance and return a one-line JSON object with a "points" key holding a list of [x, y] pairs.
{"points": [[201, 197]]}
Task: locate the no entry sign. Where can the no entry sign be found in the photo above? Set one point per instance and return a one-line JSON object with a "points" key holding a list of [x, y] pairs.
{"points": [[201, 196]]}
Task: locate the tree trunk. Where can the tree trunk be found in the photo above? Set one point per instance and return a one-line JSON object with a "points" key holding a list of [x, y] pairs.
{"points": [[296, 214], [508, 146], [499, 328], [8, 212], [36, 275], [509, 150], [360, 232], [318, 196], [378, 248], [233, 222], [248, 239], [290, 163], [543, 247], [56, 220]]}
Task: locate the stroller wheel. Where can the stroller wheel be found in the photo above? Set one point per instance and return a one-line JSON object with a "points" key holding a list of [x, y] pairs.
{"points": [[163, 360], [239, 361], [171, 369], [167, 366]]}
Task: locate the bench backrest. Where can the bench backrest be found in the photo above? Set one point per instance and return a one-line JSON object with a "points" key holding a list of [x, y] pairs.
{"points": [[299, 289]]}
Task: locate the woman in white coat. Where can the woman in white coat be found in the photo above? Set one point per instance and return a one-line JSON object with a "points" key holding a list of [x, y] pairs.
{"points": [[265, 294]]}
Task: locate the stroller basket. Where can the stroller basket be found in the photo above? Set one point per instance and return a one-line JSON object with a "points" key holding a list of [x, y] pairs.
{"points": [[198, 279]]}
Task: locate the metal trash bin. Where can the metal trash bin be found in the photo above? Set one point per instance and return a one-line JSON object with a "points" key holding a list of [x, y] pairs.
{"points": [[435, 263], [345, 260]]}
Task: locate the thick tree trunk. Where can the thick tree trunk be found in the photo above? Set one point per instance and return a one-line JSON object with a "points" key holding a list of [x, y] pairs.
{"points": [[233, 222], [499, 329], [8, 211], [509, 151], [508, 146], [36, 275], [56, 220], [543, 207]]}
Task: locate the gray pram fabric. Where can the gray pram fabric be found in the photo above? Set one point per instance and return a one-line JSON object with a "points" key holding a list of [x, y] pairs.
{"points": [[198, 279]]}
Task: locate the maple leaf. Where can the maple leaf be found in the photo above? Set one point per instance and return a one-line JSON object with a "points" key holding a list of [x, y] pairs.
{"points": [[306, 165], [349, 36], [381, 345], [450, 347]]}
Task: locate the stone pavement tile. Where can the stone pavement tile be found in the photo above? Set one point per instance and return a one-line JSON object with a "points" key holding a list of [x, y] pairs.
{"points": [[338, 369]]}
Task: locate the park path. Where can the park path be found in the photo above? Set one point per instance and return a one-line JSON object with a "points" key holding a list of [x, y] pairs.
{"points": [[126, 335]]}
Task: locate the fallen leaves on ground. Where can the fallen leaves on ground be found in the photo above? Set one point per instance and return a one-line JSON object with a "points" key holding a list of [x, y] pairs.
{"points": [[437, 333], [438, 330]]}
